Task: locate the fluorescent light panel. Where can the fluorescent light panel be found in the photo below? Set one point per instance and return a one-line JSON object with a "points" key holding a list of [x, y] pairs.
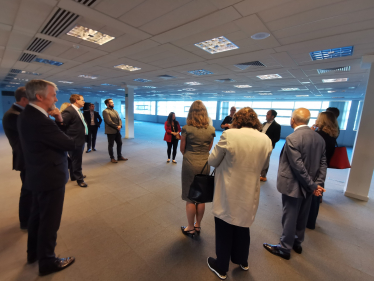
{"points": [[189, 89], [51, 62], [149, 87], [142, 80], [90, 35], [87, 76], [265, 94], [332, 53], [242, 86], [269, 76], [228, 92], [290, 89], [105, 84], [200, 72], [29, 72], [192, 83], [334, 80], [66, 82], [127, 67], [217, 45]]}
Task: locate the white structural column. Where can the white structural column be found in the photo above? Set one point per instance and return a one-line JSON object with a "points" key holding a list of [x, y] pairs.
{"points": [[129, 105], [360, 175]]}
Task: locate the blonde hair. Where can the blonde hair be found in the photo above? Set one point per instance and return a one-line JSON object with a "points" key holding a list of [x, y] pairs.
{"points": [[246, 117], [38, 87], [64, 106], [198, 115], [327, 123]]}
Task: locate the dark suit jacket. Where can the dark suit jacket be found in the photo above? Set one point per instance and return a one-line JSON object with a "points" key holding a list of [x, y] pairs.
{"points": [[11, 131], [302, 163], [97, 118], [73, 125], [44, 146], [273, 132]]}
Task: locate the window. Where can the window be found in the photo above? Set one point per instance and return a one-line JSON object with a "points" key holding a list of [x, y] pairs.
{"points": [[358, 116], [308, 104], [145, 107], [181, 108]]}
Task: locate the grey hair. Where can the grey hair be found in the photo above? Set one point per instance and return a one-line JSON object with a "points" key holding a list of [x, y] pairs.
{"points": [[38, 87], [301, 115]]}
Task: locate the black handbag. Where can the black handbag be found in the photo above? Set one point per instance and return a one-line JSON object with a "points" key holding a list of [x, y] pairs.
{"points": [[202, 187]]}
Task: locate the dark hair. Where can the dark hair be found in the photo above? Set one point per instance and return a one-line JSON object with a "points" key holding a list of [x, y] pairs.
{"points": [[74, 98], [273, 113], [170, 118], [20, 93], [107, 101], [246, 117], [334, 110]]}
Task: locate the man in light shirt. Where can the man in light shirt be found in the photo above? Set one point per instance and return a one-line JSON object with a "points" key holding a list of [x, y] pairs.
{"points": [[93, 121], [75, 126], [273, 130]]}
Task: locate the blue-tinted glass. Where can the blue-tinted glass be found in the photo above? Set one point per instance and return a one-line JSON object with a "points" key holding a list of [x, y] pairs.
{"points": [[51, 62], [332, 53]]}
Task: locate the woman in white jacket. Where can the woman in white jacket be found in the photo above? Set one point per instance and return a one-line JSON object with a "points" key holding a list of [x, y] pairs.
{"points": [[238, 157]]}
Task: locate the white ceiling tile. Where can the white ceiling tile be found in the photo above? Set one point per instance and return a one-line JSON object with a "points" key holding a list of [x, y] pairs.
{"points": [[250, 7], [284, 59], [9, 10], [72, 53], [116, 8], [56, 49], [135, 48], [119, 43]]}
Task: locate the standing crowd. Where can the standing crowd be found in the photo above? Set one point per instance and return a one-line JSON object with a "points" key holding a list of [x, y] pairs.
{"points": [[44, 150]]}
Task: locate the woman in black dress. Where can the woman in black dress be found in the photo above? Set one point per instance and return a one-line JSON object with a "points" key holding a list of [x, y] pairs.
{"points": [[327, 127]]}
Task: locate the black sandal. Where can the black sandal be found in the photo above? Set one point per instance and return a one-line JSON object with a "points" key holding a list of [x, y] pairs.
{"points": [[187, 232], [197, 229]]}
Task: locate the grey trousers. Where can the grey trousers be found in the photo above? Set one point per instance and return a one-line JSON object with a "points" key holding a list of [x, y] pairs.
{"points": [[266, 167], [294, 219]]}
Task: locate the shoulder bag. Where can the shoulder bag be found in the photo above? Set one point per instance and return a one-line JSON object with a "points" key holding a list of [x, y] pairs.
{"points": [[339, 159], [202, 187]]}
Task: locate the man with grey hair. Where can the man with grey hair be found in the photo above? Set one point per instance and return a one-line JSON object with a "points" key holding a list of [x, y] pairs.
{"points": [[301, 173], [10, 128], [228, 119], [45, 149]]}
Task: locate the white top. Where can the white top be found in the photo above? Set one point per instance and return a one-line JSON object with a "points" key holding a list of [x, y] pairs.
{"points": [[39, 108], [266, 127], [92, 118], [239, 157], [299, 127]]}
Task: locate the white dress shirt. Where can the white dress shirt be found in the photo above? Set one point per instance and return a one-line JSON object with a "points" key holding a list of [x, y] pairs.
{"points": [[266, 127], [16, 104], [39, 108], [92, 118], [299, 127]]}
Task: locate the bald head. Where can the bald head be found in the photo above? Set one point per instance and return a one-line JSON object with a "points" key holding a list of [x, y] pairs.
{"points": [[300, 116]]}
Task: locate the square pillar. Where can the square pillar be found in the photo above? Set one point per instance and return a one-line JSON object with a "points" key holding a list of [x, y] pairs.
{"points": [[129, 105]]}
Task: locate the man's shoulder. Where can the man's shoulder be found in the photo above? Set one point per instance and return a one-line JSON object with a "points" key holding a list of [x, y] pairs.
{"points": [[276, 123]]}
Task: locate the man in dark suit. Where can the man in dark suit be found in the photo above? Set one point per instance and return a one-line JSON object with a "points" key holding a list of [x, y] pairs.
{"points": [[44, 147], [75, 126], [93, 121], [11, 131], [301, 173], [273, 130]]}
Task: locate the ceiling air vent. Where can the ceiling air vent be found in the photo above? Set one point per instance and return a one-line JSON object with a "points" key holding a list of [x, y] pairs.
{"points": [[15, 71], [61, 20], [38, 45], [86, 2], [27, 57], [225, 80], [343, 68], [245, 65]]}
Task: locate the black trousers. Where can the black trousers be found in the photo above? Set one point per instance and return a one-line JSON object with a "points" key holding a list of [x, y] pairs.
{"points": [[44, 223], [25, 202], [114, 138], [76, 164], [174, 144], [231, 242], [91, 137], [313, 213]]}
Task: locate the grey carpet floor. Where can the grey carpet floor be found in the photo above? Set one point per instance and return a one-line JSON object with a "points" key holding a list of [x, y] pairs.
{"points": [[126, 224]]}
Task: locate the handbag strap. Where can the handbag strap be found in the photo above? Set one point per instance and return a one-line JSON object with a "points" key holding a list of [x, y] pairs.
{"points": [[214, 171]]}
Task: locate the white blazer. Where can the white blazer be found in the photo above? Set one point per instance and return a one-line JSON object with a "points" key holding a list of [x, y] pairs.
{"points": [[239, 157]]}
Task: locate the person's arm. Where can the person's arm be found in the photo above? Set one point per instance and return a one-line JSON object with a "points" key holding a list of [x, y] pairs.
{"points": [[108, 120], [277, 134], [54, 137], [120, 120], [99, 117], [182, 145], [219, 151], [322, 170], [223, 124], [211, 144], [167, 128], [297, 166], [65, 115]]}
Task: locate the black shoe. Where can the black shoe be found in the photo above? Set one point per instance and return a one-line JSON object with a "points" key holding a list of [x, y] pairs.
{"points": [[94, 149], [57, 265], [297, 249], [188, 232], [82, 184], [211, 264], [73, 179], [244, 266], [88, 150], [31, 259], [274, 249]]}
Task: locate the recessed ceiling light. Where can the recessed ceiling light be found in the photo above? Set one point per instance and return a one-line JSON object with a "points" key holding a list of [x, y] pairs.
{"points": [[242, 86], [149, 87], [330, 92], [265, 94], [217, 45], [260, 35], [51, 62], [334, 80], [334, 69], [90, 35], [14, 83], [21, 79], [192, 83], [127, 67], [269, 76], [121, 89], [352, 88], [200, 72], [305, 82], [302, 96], [155, 91], [87, 76], [105, 84], [332, 53], [29, 72], [142, 80], [228, 92], [249, 97], [189, 89], [66, 82], [290, 89], [318, 95], [103, 91]]}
